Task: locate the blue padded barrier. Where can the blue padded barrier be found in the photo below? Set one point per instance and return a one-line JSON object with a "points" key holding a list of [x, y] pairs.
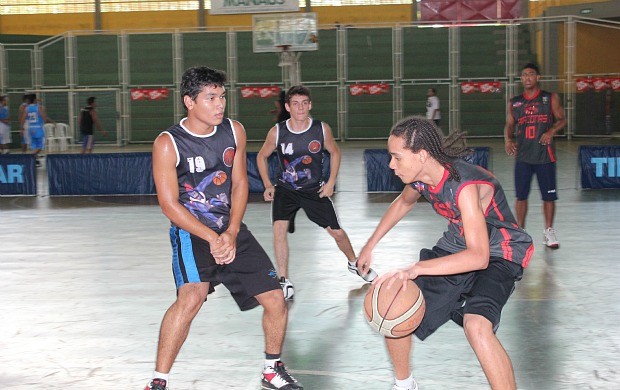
{"points": [[125, 173], [380, 178], [18, 175], [600, 166], [100, 174]]}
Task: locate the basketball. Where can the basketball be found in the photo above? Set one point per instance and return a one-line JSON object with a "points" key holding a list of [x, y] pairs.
{"points": [[394, 312], [306, 160], [220, 178]]}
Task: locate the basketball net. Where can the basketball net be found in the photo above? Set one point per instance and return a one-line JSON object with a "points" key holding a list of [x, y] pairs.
{"points": [[289, 62]]}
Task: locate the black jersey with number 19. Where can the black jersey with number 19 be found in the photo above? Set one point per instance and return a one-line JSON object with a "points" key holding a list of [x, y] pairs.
{"points": [[204, 170]]}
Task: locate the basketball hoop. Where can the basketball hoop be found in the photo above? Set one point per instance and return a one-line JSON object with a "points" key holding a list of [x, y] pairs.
{"points": [[289, 62], [287, 58]]}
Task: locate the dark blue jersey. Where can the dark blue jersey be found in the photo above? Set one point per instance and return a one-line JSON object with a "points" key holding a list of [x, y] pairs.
{"points": [[300, 156], [204, 170]]}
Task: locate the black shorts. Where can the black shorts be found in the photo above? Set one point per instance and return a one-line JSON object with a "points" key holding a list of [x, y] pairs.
{"points": [[450, 297], [250, 274], [319, 210], [545, 174]]}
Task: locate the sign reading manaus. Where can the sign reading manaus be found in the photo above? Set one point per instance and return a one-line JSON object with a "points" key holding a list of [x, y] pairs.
{"points": [[219, 7]]}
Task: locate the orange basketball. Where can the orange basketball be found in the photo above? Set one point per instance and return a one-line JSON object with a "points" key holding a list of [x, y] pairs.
{"points": [[394, 312], [306, 160], [220, 178]]}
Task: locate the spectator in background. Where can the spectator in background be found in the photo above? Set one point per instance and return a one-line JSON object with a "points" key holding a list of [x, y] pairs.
{"points": [[23, 131], [5, 126], [88, 119], [281, 113], [432, 106], [34, 117]]}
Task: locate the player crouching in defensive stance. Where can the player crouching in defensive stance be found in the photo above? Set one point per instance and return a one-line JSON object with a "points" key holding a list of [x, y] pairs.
{"points": [[470, 273], [199, 168]]}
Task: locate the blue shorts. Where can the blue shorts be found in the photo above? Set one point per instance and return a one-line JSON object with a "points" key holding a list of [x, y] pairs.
{"points": [[36, 142], [450, 297], [545, 173], [251, 273], [88, 141]]}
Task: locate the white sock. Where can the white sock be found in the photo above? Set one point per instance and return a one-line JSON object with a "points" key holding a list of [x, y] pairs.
{"points": [[161, 375], [353, 263], [270, 363], [405, 383]]}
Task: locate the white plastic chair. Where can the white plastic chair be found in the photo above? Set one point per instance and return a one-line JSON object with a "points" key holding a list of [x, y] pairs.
{"points": [[63, 137], [52, 142]]}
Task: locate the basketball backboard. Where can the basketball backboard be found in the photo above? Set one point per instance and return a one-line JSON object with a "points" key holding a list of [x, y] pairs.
{"points": [[298, 31]]}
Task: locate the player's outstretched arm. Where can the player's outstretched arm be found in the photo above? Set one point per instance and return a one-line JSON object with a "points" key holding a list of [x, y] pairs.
{"points": [[402, 205], [263, 165]]}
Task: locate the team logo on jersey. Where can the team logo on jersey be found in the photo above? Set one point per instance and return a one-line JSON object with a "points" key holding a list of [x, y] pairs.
{"points": [[228, 156], [314, 146], [531, 110], [517, 104], [545, 99]]}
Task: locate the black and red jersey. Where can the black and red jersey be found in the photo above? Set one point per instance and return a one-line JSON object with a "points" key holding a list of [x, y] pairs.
{"points": [[533, 117], [506, 239]]}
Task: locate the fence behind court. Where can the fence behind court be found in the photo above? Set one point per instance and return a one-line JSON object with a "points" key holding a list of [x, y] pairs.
{"points": [[135, 75]]}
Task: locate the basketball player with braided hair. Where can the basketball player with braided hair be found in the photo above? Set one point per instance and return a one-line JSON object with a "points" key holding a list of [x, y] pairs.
{"points": [[470, 273]]}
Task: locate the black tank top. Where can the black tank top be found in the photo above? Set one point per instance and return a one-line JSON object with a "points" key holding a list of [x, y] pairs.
{"points": [[204, 169], [86, 125], [533, 118], [506, 239], [300, 157]]}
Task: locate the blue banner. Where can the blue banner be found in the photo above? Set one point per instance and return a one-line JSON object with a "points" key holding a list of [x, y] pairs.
{"points": [[18, 175], [380, 178], [100, 174], [600, 166]]}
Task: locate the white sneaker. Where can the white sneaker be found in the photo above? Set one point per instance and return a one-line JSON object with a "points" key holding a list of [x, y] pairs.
{"points": [[413, 386], [287, 288], [550, 239], [370, 275]]}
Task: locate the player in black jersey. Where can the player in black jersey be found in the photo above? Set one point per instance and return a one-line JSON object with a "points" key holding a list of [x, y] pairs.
{"points": [[88, 119], [199, 168], [472, 270], [532, 121], [299, 143]]}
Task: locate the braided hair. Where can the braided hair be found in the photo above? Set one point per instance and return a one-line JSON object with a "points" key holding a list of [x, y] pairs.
{"points": [[419, 133]]}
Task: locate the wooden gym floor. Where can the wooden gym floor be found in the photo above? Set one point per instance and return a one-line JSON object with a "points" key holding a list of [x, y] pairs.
{"points": [[85, 282]]}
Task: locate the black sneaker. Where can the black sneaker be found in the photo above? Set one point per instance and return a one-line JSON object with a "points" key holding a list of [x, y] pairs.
{"points": [[156, 384], [278, 378]]}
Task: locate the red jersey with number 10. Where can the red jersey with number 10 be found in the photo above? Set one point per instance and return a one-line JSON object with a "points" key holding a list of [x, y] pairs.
{"points": [[533, 117]]}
